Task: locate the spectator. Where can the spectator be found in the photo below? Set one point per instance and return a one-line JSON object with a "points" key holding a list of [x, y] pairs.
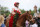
{"points": [[3, 25], [30, 12], [2, 21], [7, 20], [4, 18], [33, 24], [35, 14], [38, 21], [27, 22], [4, 15]]}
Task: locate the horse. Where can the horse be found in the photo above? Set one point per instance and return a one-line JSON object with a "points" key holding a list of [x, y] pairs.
{"points": [[22, 18]]}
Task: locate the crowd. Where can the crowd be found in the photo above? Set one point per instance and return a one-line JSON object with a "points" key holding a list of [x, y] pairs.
{"points": [[4, 21], [35, 22]]}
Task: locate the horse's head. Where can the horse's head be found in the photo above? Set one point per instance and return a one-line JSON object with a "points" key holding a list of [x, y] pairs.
{"points": [[28, 16]]}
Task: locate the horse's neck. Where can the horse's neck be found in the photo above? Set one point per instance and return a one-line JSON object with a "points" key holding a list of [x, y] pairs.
{"points": [[22, 18], [20, 21]]}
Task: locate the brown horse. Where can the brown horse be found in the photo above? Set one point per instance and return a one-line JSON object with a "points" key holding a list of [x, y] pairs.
{"points": [[22, 18]]}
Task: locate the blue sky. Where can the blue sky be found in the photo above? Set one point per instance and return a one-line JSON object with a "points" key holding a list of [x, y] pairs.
{"points": [[24, 4]]}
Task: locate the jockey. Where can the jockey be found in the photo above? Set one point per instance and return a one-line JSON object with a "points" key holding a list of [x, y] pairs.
{"points": [[14, 11]]}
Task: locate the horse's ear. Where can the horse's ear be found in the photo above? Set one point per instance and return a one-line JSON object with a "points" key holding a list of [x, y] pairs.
{"points": [[27, 11]]}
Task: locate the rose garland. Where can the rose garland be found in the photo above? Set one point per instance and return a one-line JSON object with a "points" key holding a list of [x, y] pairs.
{"points": [[16, 17]]}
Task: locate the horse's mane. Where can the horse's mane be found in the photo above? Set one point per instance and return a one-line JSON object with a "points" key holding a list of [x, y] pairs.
{"points": [[23, 15]]}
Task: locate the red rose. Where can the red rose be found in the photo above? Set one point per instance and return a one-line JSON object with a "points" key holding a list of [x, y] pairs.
{"points": [[19, 15], [14, 10], [17, 11]]}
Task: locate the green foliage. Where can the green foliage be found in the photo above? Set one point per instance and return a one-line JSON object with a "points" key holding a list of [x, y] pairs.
{"points": [[7, 13], [32, 13], [4, 10], [22, 11], [39, 10]]}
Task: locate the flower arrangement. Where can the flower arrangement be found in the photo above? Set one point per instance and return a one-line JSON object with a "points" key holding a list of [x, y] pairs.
{"points": [[16, 17]]}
